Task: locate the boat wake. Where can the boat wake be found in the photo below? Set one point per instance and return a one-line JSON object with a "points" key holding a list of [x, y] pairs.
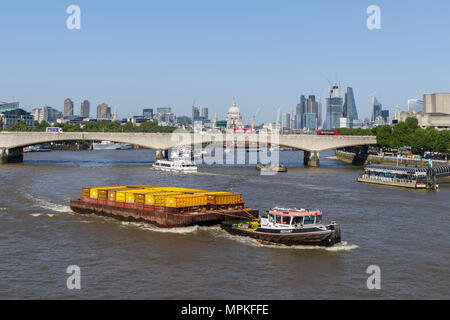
{"points": [[44, 204], [150, 227], [43, 215]]}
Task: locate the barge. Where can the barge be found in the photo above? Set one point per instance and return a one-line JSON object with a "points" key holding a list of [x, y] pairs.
{"points": [[289, 227], [406, 177], [165, 207]]}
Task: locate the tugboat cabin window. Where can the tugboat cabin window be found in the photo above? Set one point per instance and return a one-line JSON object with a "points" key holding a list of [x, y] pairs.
{"points": [[271, 218], [287, 220], [318, 219], [278, 219], [309, 220], [297, 221]]}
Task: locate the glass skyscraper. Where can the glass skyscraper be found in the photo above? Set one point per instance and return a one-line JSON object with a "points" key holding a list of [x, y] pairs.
{"points": [[349, 109], [334, 109], [376, 108]]}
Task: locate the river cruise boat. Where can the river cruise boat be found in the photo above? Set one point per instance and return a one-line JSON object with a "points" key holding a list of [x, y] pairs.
{"points": [[176, 165], [407, 177], [287, 227], [108, 145]]}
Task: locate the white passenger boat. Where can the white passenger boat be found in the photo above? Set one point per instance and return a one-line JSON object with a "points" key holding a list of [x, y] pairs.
{"points": [[108, 145], [175, 165], [180, 161]]}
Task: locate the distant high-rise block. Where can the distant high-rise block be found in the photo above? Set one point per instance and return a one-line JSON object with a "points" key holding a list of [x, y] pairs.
{"points": [[147, 113], [376, 108], [85, 109], [334, 109], [163, 110], [286, 120], [415, 105], [299, 112], [204, 113], [68, 107], [349, 110], [103, 112]]}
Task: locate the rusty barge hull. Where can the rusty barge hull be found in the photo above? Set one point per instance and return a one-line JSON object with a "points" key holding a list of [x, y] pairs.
{"points": [[163, 217]]}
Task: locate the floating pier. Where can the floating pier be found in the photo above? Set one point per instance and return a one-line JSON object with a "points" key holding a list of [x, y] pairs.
{"points": [[165, 207]]}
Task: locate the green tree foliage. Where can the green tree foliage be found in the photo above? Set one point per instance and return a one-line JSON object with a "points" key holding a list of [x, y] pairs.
{"points": [[19, 126]]}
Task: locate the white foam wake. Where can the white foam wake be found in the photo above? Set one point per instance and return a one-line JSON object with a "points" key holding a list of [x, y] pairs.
{"points": [[150, 227], [44, 204]]}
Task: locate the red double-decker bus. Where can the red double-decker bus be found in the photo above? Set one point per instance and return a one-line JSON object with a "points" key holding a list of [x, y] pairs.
{"points": [[327, 132]]}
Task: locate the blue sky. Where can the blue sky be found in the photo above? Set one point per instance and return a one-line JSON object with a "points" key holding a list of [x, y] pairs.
{"points": [[135, 54]]}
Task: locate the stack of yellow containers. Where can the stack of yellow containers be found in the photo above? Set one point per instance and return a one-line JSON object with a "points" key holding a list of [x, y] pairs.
{"points": [[163, 196], [95, 192], [187, 200]]}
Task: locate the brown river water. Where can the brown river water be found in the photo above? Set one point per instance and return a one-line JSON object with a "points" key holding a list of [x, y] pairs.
{"points": [[404, 232]]}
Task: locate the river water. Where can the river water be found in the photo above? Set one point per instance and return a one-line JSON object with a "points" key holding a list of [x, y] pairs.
{"points": [[403, 232]]}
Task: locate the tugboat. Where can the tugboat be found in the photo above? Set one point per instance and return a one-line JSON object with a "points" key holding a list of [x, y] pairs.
{"points": [[287, 227]]}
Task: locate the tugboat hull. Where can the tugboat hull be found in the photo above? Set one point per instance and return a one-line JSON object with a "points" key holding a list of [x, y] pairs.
{"points": [[317, 237]]}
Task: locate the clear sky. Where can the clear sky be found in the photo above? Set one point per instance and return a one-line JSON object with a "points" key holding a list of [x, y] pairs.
{"points": [[135, 54]]}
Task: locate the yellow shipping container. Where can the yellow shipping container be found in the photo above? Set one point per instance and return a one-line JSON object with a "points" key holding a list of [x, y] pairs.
{"points": [[159, 199], [93, 192], [184, 201], [86, 192], [127, 195], [140, 197], [223, 199]]}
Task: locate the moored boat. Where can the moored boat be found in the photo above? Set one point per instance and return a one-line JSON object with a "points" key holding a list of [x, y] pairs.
{"points": [[287, 227], [271, 168]]}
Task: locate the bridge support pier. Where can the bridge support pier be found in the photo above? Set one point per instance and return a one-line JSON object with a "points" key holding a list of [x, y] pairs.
{"points": [[14, 155], [162, 154], [311, 159]]}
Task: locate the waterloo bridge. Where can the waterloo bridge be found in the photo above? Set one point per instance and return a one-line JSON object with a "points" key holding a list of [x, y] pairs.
{"points": [[12, 143]]}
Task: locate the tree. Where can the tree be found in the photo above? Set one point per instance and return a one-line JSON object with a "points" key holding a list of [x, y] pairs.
{"points": [[401, 135], [384, 136], [412, 123], [18, 126]]}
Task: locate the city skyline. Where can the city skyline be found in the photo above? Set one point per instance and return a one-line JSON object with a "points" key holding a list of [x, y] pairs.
{"points": [[212, 52]]}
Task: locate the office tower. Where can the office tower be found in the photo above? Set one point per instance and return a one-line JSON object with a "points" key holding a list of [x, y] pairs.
{"points": [[285, 121], [147, 113], [415, 105], [334, 109], [103, 112], [68, 107], [385, 115], [204, 113], [376, 108], [397, 113], [349, 110], [299, 112], [195, 114], [47, 114], [163, 110], [85, 109]]}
